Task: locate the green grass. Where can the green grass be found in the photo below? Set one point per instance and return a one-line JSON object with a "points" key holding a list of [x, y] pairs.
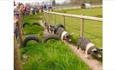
{"points": [[92, 29], [53, 55], [29, 29], [32, 18], [96, 12], [33, 29]]}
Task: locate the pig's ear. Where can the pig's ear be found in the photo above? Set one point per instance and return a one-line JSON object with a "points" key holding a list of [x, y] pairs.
{"points": [[100, 49], [94, 50]]}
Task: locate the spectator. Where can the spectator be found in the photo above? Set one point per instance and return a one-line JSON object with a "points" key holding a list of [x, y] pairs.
{"points": [[33, 10]]}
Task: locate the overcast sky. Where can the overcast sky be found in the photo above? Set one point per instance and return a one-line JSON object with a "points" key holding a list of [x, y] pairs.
{"points": [[26, 1]]}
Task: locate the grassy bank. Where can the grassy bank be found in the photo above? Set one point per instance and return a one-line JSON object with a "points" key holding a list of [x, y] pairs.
{"points": [[53, 55]]}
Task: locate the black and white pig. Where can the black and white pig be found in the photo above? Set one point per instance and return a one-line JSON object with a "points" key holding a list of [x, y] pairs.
{"points": [[89, 48], [64, 35], [58, 30], [53, 28]]}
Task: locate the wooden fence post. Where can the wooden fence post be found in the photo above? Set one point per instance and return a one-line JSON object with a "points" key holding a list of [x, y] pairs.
{"points": [[82, 27], [48, 17], [44, 18], [52, 19], [64, 21], [17, 60], [55, 18], [20, 27]]}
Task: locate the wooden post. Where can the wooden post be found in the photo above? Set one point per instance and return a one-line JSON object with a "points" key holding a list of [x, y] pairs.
{"points": [[64, 21], [55, 18], [20, 33], [46, 17], [17, 60], [82, 28], [49, 18], [20, 24], [52, 19]]}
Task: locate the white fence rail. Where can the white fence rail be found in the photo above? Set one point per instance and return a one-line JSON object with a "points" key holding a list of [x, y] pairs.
{"points": [[75, 16]]}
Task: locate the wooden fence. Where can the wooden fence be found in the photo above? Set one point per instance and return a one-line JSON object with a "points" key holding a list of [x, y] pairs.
{"points": [[73, 16]]}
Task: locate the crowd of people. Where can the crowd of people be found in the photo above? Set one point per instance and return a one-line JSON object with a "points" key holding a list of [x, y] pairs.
{"points": [[27, 10], [30, 9], [21, 9]]}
